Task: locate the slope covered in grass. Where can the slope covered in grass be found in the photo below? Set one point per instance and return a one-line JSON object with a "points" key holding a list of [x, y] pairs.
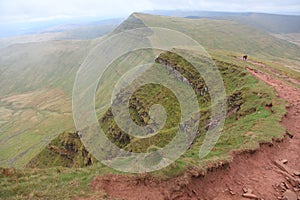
{"points": [[36, 79], [35, 95], [31, 70], [256, 121], [226, 35], [247, 113], [248, 121]]}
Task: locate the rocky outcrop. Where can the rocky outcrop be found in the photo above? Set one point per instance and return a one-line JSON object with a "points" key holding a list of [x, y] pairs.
{"points": [[66, 150], [183, 75]]}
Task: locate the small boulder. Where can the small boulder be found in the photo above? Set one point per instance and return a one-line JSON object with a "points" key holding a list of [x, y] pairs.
{"points": [[284, 161], [250, 196], [297, 173], [289, 195]]}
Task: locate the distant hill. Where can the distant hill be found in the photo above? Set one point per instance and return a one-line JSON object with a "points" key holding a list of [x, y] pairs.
{"points": [[222, 34], [279, 24], [186, 13], [14, 29], [73, 31], [273, 23]]}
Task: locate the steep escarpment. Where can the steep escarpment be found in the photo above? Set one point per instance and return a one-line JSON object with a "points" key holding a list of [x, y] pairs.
{"points": [[247, 101], [66, 150]]}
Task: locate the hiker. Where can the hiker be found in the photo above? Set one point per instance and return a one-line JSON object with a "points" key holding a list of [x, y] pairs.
{"points": [[245, 57]]}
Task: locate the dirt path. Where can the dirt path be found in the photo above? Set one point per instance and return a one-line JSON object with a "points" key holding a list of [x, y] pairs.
{"points": [[255, 174]]}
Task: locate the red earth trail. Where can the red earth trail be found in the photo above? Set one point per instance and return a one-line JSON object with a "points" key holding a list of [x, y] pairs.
{"points": [[256, 175]]}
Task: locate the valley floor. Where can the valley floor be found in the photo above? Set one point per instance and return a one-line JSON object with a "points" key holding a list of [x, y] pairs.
{"points": [[272, 172]]}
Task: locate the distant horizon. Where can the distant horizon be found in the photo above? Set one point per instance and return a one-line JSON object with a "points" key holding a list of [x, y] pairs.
{"points": [[20, 28], [100, 18], [224, 11], [35, 10]]}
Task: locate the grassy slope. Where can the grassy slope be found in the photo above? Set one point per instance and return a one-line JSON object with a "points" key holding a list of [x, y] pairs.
{"points": [[32, 66], [36, 84], [35, 96], [272, 23], [255, 124], [277, 24], [36, 80], [51, 183], [29, 121], [281, 26], [238, 134], [54, 64], [243, 133], [66, 150], [230, 36], [291, 37]]}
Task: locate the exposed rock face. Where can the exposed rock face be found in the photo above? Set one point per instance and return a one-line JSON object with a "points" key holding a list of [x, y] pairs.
{"points": [[182, 76], [66, 150]]}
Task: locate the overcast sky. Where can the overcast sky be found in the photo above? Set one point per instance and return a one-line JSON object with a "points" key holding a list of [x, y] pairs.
{"points": [[38, 10]]}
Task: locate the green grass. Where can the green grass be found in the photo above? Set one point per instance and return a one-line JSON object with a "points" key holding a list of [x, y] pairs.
{"points": [[66, 150], [51, 183], [227, 35], [31, 67], [35, 119], [255, 123], [244, 130]]}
